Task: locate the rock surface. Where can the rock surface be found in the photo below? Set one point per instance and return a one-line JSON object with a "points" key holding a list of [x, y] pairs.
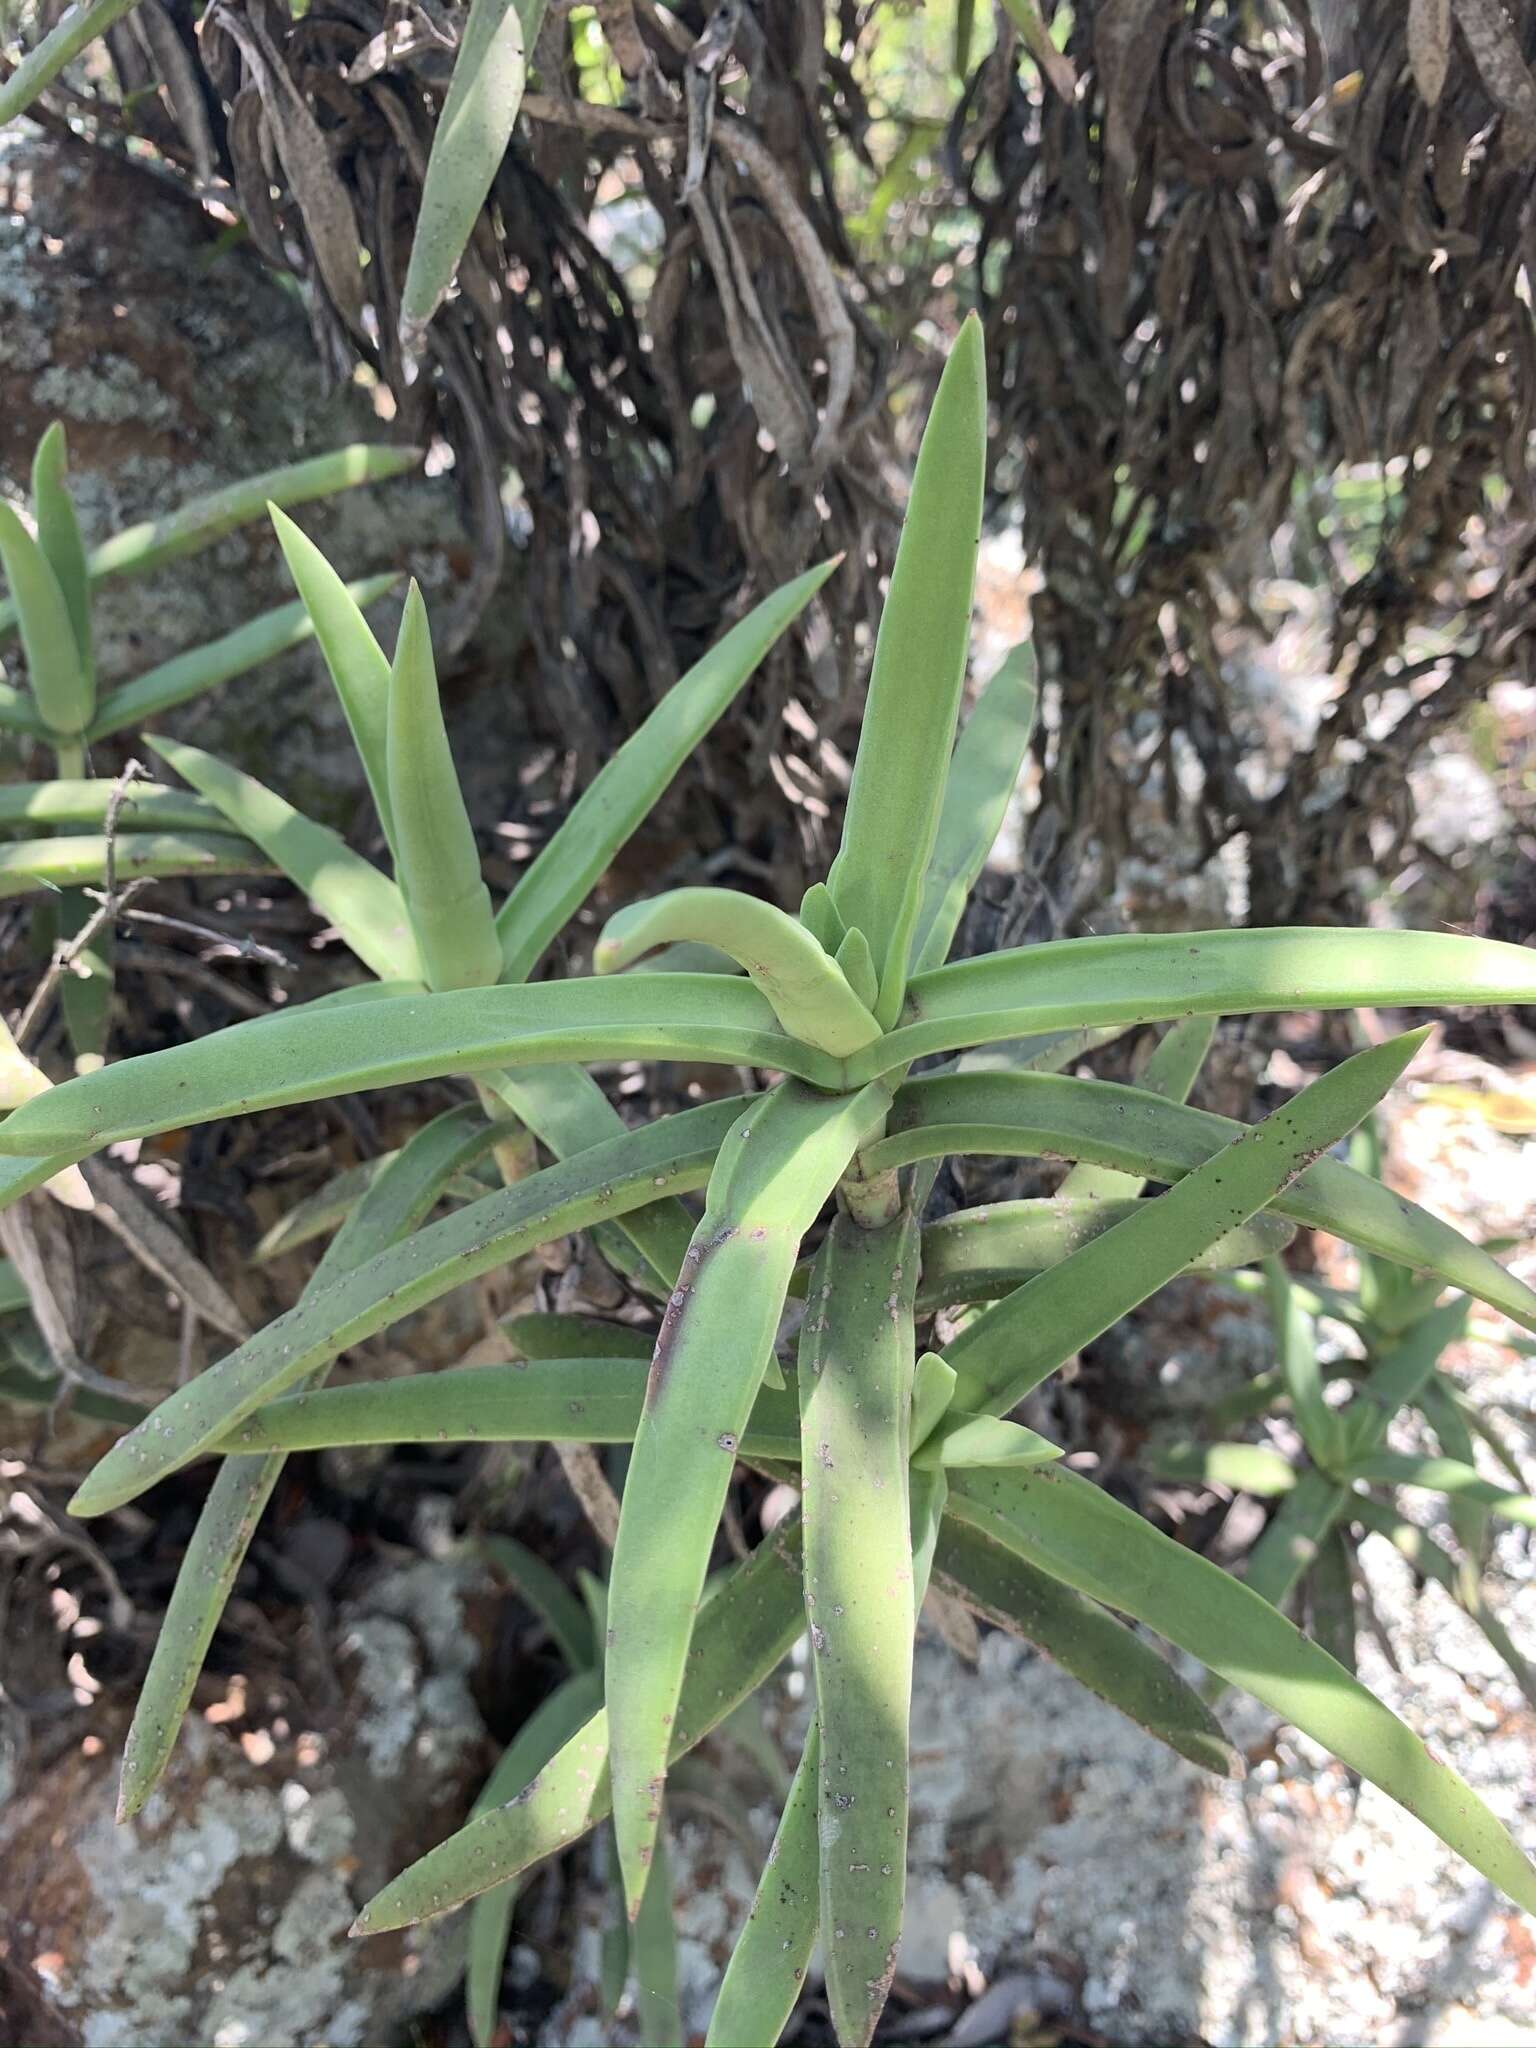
{"points": [[220, 1915]]}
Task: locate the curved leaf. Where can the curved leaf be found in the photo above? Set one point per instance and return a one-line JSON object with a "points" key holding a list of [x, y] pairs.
{"points": [[58, 535], [1448, 1476], [1078, 1534], [807, 989], [677, 1151], [67, 802], [626, 788]]}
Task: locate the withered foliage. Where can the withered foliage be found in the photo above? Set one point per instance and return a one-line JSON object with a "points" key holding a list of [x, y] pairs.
{"points": [[1258, 243], [1224, 250]]}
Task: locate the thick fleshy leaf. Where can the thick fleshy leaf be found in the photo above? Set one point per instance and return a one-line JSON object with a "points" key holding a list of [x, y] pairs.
{"points": [[317, 1215], [1171, 1072], [1013, 1345], [550, 1334], [653, 1957], [766, 1973], [961, 1438], [1430, 1561], [983, 773], [358, 665], [1090, 1645], [437, 863], [74, 29], [776, 1168], [559, 1400], [468, 146], [856, 1360], [188, 675], [1322, 1429], [61, 683], [58, 535], [365, 906], [79, 860], [915, 686], [1331, 1598], [744, 1629], [301, 1057], [542, 1736], [1080, 1535], [978, 1254], [1142, 977], [1246, 1468], [143, 808], [567, 1111], [627, 788], [1051, 1116], [402, 1195], [677, 1151], [1448, 1476], [566, 1618], [808, 991]]}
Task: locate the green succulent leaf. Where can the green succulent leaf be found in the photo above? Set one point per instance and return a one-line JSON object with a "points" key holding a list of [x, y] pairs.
{"points": [[1171, 1072], [627, 788], [856, 1361], [1051, 1116], [540, 1739], [550, 1335], [1089, 1645], [359, 668], [744, 1629], [965, 1439], [403, 1193], [58, 535], [933, 1388], [766, 1973], [73, 802], [437, 863], [61, 682], [317, 1215], [75, 861], [1448, 1476], [233, 654], [895, 798], [1141, 978], [978, 1254], [559, 1400], [1014, 1344], [302, 1056], [566, 1618], [1331, 1598], [776, 1168], [1078, 1534], [677, 1151], [1322, 1429], [468, 146], [74, 29], [1245, 1468], [983, 774], [364, 906], [809, 992]]}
